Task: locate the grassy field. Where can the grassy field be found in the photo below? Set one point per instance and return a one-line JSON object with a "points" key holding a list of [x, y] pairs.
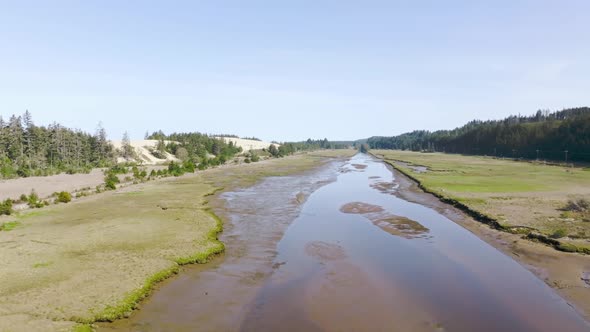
{"points": [[94, 259], [521, 196]]}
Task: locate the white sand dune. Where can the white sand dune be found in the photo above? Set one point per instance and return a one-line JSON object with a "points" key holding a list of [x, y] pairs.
{"points": [[142, 149], [248, 144]]}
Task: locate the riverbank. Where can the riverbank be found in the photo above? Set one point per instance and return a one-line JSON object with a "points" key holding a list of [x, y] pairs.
{"points": [[516, 197], [566, 272], [94, 259], [215, 296]]}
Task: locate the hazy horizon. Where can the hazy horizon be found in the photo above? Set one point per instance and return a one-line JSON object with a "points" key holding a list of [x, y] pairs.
{"points": [[289, 72]]}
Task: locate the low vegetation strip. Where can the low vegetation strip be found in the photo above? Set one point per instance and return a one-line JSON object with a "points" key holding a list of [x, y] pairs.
{"points": [[94, 259], [518, 197]]}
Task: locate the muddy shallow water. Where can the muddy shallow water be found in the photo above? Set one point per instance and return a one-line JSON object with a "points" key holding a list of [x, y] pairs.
{"points": [[354, 257]]}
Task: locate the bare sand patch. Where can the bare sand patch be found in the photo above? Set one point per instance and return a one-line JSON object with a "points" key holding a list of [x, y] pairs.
{"points": [[45, 186], [248, 144], [399, 226], [360, 208], [390, 223], [143, 150]]}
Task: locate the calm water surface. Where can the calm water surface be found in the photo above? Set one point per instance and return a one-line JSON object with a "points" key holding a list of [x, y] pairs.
{"points": [[355, 258]]}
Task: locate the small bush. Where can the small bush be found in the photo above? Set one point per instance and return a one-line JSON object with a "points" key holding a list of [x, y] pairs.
{"points": [[24, 198], [6, 207], [175, 169], [34, 202], [118, 169], [253, 156], [189, 166], [577, 205], [558, 234], [110, 181], [64, 197]]}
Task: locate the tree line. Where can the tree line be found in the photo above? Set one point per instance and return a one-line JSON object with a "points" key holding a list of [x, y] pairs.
{"points": [[197, 147], [27, 149], [559, 136], [30, 150]]}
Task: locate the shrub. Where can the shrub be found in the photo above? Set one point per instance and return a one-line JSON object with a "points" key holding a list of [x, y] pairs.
{"points": [[110, 181], [577, 205], [24, 172], [34, 201], [24, 198], [64, 197], [253, 156], [558, 234], [118, 169], [189, 166], [158, 154], [247, 160], [182, 154], [175, 169], [6, 207], [272, 149]]}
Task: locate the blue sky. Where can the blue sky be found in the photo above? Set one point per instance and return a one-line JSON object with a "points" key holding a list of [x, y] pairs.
{"points": [[289, 70]]}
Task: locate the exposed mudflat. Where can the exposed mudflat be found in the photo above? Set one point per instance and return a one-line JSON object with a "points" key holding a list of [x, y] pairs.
{"points": [[360, 208], [216, 296], [337, 266]]}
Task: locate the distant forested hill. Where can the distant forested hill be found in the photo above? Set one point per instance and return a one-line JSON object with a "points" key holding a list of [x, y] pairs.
{"points": [[544, 135]]}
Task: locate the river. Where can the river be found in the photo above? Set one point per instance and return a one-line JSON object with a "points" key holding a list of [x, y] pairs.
{"points": [[338, 250]]}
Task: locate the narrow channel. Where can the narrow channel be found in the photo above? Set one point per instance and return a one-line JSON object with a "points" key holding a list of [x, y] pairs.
{"points": [[353, 257]]}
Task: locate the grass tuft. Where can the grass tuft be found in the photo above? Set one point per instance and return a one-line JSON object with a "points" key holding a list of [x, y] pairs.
{"points": [[8, 226]]}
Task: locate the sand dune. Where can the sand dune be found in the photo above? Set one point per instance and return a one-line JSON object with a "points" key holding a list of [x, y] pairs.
{"points": [[248, 144], [142, 149]]}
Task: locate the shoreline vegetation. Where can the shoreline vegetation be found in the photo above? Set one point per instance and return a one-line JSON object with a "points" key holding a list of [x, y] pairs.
{"points": [[96, 258], [514, 197]]}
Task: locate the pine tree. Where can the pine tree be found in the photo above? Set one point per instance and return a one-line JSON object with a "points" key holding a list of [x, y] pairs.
{"points": [[28, 136], [15, 138], [127, 150]]}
